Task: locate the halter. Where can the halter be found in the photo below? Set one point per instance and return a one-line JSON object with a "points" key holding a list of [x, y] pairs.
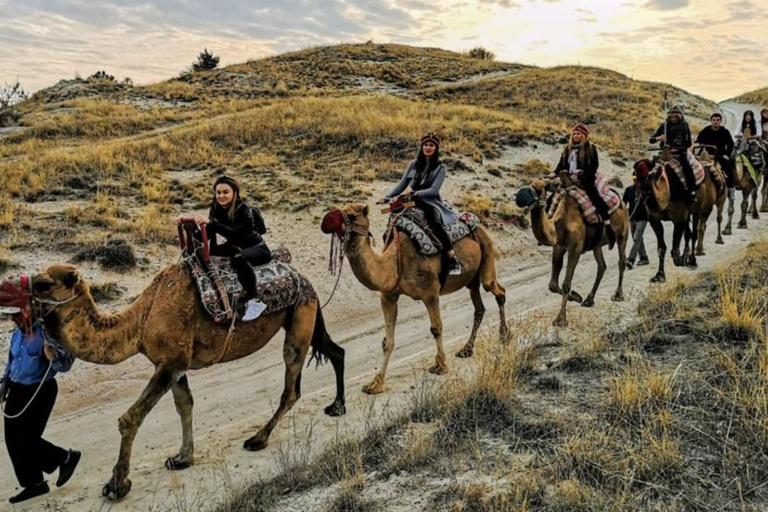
{"points": [[51, 302]]}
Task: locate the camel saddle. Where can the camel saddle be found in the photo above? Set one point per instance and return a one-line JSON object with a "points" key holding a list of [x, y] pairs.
{"points": [[412, 222], [714, 170], [278, 285], [698, 169], [586, 206]]}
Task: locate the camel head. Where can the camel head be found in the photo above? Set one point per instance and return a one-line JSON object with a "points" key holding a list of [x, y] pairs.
{"points": [[528, 196], [339, 220], [59, 284]]}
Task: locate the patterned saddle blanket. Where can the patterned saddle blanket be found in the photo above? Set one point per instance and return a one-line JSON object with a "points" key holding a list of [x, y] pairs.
{"points": [[586, 206], [279, 285], [698, 169], [413, 223], [749, 166]]}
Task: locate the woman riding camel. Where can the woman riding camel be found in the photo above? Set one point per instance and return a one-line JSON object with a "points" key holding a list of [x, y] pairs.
{"points": [[764, 126], [422, 181], [580, 154], [242, 227], [748, 123], [676, 134]]}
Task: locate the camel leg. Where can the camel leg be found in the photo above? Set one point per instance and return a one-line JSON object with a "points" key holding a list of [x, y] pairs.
{"points": [[720, 205], [661, 250], [389, 308], [297, 341], [601, 266], [731, 200], [182, 398], [436, 328], [753, 210], [696, 226], [558, 255], [477, 301], [678, 231], [744, 204], [128, 424], [764, 193], [335, 354], [491, 284], [574, 253], [701, 230], [618, 296]]}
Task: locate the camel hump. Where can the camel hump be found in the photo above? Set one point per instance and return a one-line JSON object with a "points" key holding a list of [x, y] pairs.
{"points": [[413, 223]]}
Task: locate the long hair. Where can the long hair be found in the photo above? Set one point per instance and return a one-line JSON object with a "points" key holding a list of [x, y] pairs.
{"points": [[424, 166], [763, 116], [236, 200], [583, 150], [749, 124]]}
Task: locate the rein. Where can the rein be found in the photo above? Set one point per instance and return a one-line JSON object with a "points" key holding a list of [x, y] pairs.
{"points": [[39, 387]]}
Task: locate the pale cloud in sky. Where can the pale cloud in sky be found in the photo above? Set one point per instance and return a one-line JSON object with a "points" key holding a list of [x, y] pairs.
{"points": [[711, 47]]}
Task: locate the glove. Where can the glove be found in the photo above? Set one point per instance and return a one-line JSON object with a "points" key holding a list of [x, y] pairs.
{"points": [[3, 393]]}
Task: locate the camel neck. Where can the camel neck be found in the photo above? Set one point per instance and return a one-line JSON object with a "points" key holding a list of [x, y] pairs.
{"points": [[97, 337], [542, 227], [376, 272]]}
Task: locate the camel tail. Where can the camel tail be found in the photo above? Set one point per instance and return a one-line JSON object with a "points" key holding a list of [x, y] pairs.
{"points": [[323, 347]]}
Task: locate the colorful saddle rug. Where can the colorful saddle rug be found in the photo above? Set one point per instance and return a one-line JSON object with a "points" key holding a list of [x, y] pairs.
{"points": [[413, 223], [698, 169], [586, 206], [278, 285], [747, 164]]}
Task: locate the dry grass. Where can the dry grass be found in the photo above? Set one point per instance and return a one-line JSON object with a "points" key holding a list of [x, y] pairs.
{"points": [[758, 97]]}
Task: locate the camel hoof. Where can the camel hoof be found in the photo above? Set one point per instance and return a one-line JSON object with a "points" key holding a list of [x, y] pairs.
{"points": [[692, 264], [659, 278], [719, 241], [575, 297], [176, 463], [764, 209], [336, 409], [555, 289], [465, 353], [742, 225], [114, 492], [560, 322], [438, 369], [618, 296], [375, 387], [678, 261], [255, 443], [727, 230], [700, 252], [588, 303]]}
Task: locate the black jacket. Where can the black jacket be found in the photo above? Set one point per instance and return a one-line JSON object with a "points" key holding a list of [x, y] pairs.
{"points": [[678, 135], [243, 231], [588, 164], [637, 212], [721, 138]]}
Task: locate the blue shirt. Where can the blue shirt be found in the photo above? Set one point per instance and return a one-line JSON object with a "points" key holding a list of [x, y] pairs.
{"points": [[27, 363]]}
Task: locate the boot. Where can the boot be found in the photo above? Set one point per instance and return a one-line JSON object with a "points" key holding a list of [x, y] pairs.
{"points": [[31, 492]]}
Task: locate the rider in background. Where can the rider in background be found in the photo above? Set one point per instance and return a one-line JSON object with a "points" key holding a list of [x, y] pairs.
{"points": [[748, 123], [28, 389], [242, 227], [719, 136], [764, 127], [422, 181], [580, 154], [675, 133]]}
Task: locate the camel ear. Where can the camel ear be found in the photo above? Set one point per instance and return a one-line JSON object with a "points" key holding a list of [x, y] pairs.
{"points": [[71, 278], [365, 211]]}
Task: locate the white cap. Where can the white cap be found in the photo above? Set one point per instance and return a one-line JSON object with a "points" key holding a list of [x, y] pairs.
{"points": [[9, 310]]}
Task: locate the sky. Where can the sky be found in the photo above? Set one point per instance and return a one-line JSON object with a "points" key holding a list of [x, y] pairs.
{"points": [[715, 48]]}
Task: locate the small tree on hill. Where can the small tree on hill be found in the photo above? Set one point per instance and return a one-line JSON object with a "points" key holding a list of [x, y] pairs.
{"points": [[10, 94], [206, 61], [102, 75], [478, 52]]}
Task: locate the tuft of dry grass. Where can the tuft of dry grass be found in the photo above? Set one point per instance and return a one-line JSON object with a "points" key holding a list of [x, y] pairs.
{"points": [[757, 97]]}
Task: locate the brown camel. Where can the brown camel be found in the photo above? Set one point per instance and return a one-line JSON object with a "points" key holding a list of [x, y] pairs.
{"points": [[663, 194], [169, 326], [567, 233], [742, 181], [401, 270]]}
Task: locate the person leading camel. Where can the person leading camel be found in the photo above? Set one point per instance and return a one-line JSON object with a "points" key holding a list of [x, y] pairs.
{"points": [[580, 154], [28, 390], [638, 221], [422, 181], [675, 133], [242, 227]]}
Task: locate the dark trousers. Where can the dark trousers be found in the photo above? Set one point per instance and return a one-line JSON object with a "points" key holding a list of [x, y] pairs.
{"points": [[727, 168], [243, 263], [435, 221], [690, 179], [638, 245], [594, 195], [30, 454]]}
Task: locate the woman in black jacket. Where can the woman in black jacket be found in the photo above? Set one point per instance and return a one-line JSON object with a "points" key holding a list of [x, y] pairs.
{"points": [[242, 227]]}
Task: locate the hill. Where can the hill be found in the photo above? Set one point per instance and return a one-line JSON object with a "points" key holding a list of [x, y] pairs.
{"points": [[758, 97]]}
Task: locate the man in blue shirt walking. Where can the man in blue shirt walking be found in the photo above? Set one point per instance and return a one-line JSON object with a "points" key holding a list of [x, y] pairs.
{"points": [[28, 390]]}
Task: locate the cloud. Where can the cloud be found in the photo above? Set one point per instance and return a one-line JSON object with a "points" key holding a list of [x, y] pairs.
{"points": [[666, 5], [507, 4]]}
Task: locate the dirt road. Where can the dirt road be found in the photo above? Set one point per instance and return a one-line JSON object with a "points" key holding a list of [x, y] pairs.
{"points": [[233, 400]]}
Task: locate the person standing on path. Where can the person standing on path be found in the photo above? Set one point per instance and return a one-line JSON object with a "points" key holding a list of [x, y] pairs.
{"points": [[28, 392], [638, 221]]}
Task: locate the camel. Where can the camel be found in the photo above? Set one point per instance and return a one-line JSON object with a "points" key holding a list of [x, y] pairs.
{"points": [[663, 198], [168, 325], [567, 233], [742, 181], [400, 270]]}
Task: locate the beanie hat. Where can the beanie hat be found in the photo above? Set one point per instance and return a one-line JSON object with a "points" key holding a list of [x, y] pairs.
{"points": [[582, 129], [431, 137], [677, 109]]}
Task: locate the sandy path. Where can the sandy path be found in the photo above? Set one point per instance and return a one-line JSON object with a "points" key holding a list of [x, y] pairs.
{"points": [[233, 400]]}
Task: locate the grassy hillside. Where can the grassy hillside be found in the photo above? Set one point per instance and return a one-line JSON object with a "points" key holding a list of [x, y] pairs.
{"points": [[758, 97], [669, 413], [314, 127]]}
